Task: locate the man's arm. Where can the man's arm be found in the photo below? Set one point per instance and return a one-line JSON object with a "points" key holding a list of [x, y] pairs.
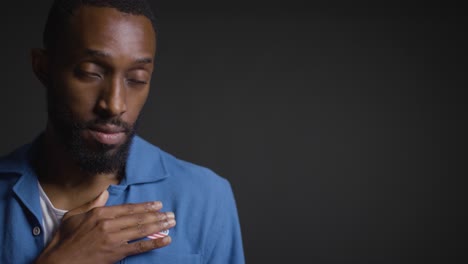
{"points": [[93, 233]]}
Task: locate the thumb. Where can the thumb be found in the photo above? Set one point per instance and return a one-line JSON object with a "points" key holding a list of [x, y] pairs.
{"points": [[97, 202]]}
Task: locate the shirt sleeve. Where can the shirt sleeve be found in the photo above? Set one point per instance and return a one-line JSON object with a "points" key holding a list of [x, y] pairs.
{"points": [[226, 246]]}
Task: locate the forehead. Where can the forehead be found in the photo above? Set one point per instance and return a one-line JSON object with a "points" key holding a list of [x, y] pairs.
{"points": [[111, 31]]}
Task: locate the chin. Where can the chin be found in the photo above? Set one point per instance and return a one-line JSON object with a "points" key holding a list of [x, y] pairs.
{"points": [[95, 157]]}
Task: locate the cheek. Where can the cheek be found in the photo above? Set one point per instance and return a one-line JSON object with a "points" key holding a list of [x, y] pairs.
{"points": [[79, 99], [135, 102]]}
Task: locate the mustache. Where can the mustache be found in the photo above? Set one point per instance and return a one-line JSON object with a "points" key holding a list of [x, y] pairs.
{"points": [[116, 121]]}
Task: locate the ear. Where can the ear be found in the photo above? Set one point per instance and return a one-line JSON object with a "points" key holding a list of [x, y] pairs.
{"points": [[41, 66]]}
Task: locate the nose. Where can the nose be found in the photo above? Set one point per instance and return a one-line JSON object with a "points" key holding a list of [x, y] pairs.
{"points": [[113, 99]]}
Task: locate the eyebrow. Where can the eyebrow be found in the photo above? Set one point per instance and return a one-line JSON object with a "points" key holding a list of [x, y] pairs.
{"points": [[103, 54], [144, 60]]}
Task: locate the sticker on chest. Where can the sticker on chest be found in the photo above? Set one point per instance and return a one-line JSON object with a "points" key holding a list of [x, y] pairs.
{"points": [[161, 234]]}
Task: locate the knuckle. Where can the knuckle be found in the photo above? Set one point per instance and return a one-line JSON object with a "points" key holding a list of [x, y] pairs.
{"points": [[107, 239], [123, 249], [167, 215], [104, 225], [142, 229], [158, 243], [139, 247], [140, 219], [164, 224], [155, 243], [148, 207], [130, 208], [97, 212], [163, 216], [160, 216]]}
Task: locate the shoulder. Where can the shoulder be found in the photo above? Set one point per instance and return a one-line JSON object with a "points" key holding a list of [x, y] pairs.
{"points": [[12, 167], [14, 162], [196, 176], [178, 172]]}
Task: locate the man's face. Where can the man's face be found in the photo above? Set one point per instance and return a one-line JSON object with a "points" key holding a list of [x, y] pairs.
{"points": [[99, 80]]}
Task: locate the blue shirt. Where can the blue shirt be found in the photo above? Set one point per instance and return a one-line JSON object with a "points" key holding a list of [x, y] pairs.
{"points": [[207, 229]]}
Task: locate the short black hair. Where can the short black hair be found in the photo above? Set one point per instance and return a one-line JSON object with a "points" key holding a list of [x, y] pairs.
{"points": [[62, 10]]}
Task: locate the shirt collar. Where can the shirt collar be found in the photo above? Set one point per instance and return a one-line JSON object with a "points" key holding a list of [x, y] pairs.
{"points": [[26, 188], [144, 164]]}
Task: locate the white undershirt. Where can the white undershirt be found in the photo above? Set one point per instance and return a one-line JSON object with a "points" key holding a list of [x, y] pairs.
{"points": [[51, 216]]}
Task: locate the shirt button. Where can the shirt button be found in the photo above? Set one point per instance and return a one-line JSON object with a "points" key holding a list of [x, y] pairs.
{"points": [[36, 230]]}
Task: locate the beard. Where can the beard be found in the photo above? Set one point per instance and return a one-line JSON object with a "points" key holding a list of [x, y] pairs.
{"points": [[96, 159]]}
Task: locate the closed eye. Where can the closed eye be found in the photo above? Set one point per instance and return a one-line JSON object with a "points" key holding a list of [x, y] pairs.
{"points": [[87, 74], [142, 82]]}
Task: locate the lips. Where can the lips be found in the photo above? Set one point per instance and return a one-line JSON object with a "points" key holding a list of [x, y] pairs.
{"points": [[108, 134]]}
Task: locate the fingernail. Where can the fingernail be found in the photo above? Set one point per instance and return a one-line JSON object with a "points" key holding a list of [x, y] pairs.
{"points": [[170, 215], [166, 240], [156, 205]]}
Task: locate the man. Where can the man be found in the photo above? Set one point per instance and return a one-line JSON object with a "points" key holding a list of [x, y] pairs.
{"points": [[88, 190]]}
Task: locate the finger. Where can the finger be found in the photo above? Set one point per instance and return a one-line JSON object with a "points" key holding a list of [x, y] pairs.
{"points": [[130, 221], [116, 211], [144, 230], [146, 245], [97, 202]]}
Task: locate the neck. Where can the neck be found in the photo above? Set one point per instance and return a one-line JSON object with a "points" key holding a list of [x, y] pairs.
{"points": [[64, 182]]}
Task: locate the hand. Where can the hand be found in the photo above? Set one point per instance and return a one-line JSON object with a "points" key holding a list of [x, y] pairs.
{"points": [[93, 233]]}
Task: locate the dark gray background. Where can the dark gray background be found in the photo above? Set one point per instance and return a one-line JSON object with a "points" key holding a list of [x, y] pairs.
{"points": [[340, 126]]}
